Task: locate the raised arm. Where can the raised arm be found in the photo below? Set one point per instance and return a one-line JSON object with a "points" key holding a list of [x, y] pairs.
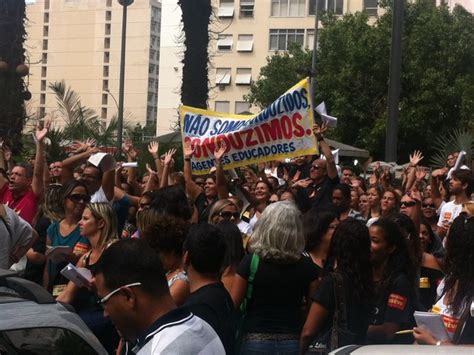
{"points": [[108, 184], [37, 184], [166, 166], [81, 152], [318, 132], [434, 182], [132, 155], [153, 148], [222, 190], [415, 158], [192, 188]]}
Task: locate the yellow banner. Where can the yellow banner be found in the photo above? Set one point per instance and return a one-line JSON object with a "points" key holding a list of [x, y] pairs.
{"points": [[282, 130]]}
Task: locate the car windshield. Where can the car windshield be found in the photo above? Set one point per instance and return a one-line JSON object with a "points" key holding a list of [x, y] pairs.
{"points": [[39, 341]]}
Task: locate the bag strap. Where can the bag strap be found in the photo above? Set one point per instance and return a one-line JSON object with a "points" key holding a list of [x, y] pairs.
{"points": [[462, 321], [340, 312], [253, 270]]}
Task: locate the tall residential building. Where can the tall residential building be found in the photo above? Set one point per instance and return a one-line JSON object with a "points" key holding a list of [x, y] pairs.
{"points": [[79, 41], [244, 33]]}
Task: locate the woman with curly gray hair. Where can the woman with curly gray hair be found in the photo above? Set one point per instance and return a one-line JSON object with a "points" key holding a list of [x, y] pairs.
{"points": [[279, 277]]}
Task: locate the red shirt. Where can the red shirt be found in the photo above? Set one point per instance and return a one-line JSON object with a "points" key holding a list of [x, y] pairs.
{"points": [[26, 206]]}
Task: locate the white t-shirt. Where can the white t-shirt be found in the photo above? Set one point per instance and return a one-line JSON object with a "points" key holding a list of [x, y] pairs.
{"points": [[448, 213], [191, 335], [99, 196]]}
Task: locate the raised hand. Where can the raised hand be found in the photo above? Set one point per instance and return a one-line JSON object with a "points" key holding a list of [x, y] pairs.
{"points": [[303, 183], [373, 180], [318, 130], [420, 173], [169, 156], [130, 150], [221, 148], [439, 172], [150, 170], [153, 148], [41, 132], [415, 158], [188, 149]]}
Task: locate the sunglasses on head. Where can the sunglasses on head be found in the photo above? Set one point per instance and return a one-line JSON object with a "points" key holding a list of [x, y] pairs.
{"points": [[79, 197], [428, 205], [407, 203], [229, 215]]}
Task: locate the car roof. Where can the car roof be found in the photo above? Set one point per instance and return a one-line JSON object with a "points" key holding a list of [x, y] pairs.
{"points": [[394, 349], [28, 314]]}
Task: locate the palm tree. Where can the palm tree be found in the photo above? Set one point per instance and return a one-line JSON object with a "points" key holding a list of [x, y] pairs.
{"points": [[455, 141], [12, 86], [195, 18]]}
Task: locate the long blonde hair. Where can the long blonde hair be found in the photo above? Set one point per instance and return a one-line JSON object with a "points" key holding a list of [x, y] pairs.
{"points": [[105, 212]]}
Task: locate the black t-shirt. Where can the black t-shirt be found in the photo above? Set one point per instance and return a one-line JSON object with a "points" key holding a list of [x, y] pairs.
{"points": [[214, 304], [34, 272], [396, 304], [429, 281], [203, 207], [358, 313], [278, 291], [323, 198]]}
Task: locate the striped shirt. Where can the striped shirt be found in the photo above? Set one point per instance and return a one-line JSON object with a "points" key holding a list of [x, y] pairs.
{"points": [[178, 332]]}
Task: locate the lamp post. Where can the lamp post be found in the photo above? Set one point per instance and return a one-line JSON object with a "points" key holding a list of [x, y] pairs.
{"points": [[125, 4], [313, 61], [394, 81]]}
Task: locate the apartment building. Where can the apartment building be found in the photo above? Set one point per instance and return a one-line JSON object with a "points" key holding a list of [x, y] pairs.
{"points": [[244, 33], [79, 41]]}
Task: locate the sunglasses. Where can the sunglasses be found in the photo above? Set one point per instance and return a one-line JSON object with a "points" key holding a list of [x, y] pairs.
{"points": [[428, 205], [79, 197], [229, 215], [407, 204], [316, 167], [103, 301]]}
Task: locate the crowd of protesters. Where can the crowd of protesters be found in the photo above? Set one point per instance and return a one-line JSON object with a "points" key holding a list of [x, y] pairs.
{"points": [[283, 257]]}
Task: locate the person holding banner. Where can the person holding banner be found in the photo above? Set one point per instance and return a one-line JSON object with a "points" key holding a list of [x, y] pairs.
{"points": [[323, 172], [203, 199]]}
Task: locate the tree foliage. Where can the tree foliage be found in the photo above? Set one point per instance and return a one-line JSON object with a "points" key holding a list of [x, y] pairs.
{"points": [[437, 82]]}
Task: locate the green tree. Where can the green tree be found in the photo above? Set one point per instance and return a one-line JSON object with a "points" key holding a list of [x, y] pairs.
{"points": [[352, 76]]}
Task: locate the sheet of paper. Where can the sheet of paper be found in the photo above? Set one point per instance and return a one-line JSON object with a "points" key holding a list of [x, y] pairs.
{"points": [[434, 323], [80, 276]]}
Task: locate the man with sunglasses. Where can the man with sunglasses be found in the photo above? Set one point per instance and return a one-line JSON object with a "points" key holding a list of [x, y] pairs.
{"points": [[24, 187], [134, 293]]}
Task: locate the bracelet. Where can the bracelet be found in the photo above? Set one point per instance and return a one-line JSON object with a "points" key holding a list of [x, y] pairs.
{"points": [[320, 139], [187, 159], [438, 343]]}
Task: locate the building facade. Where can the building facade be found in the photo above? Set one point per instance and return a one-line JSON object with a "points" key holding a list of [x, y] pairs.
{"points": [[79, 41], [244, 33]]}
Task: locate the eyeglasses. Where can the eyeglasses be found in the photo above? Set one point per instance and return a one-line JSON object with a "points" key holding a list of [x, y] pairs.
{"points": [[79, 197], [316, 167], [229, 215], [105, 299], [407, 204], [428, 205]]}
